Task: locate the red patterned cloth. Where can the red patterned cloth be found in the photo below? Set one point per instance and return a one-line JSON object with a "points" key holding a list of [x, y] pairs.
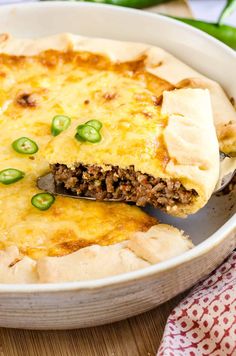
{"points": [[204, 323]]}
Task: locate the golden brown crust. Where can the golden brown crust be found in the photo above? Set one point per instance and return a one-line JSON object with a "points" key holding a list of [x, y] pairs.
{"points": [[158, 62], [69, 225]]}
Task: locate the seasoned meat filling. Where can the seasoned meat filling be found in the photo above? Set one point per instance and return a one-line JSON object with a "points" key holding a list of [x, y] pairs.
{"points": [[124, 184]]}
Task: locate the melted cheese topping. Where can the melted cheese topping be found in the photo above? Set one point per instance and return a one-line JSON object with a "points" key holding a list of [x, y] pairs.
{"points": [[35, 89]]}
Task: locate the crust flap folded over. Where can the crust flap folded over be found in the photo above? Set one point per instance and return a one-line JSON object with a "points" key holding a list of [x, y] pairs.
{"points": [[89, 263], [191, 141], [15, 268], [159, 243]]}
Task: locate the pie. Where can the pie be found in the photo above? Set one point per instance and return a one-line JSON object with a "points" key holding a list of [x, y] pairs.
{"points": [[157, 126]]}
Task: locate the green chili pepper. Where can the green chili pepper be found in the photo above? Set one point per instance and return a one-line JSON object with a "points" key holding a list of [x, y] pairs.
{"points": [[128, 3], [25, 145], [227, 10], [42, 201], [94, 123], [79, 138], [224, 33], [10, 175], [88, 133], [59, 123]]}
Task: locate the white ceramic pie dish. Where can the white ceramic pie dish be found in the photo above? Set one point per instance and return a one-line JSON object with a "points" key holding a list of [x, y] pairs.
{"points": [[213, 229]]}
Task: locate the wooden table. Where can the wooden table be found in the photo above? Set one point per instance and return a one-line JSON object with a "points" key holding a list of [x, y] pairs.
{"points": [[137, 336]]}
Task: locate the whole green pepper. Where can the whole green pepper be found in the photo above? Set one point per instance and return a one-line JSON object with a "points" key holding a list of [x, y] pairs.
{"points": [[138, 4], [224, 33], [227, 10]]}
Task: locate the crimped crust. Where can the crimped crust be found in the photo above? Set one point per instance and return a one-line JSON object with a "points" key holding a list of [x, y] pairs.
{"points": [[161, 242]]}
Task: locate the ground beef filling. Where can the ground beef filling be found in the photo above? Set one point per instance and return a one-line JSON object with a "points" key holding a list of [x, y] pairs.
{"points": [[123, 184]]}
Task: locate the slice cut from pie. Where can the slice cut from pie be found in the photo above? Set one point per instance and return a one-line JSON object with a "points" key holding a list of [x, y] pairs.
{"points": [[169, 159]]}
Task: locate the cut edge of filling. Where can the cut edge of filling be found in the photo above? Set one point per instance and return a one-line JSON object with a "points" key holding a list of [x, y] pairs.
{"points": [[122, 184]]}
